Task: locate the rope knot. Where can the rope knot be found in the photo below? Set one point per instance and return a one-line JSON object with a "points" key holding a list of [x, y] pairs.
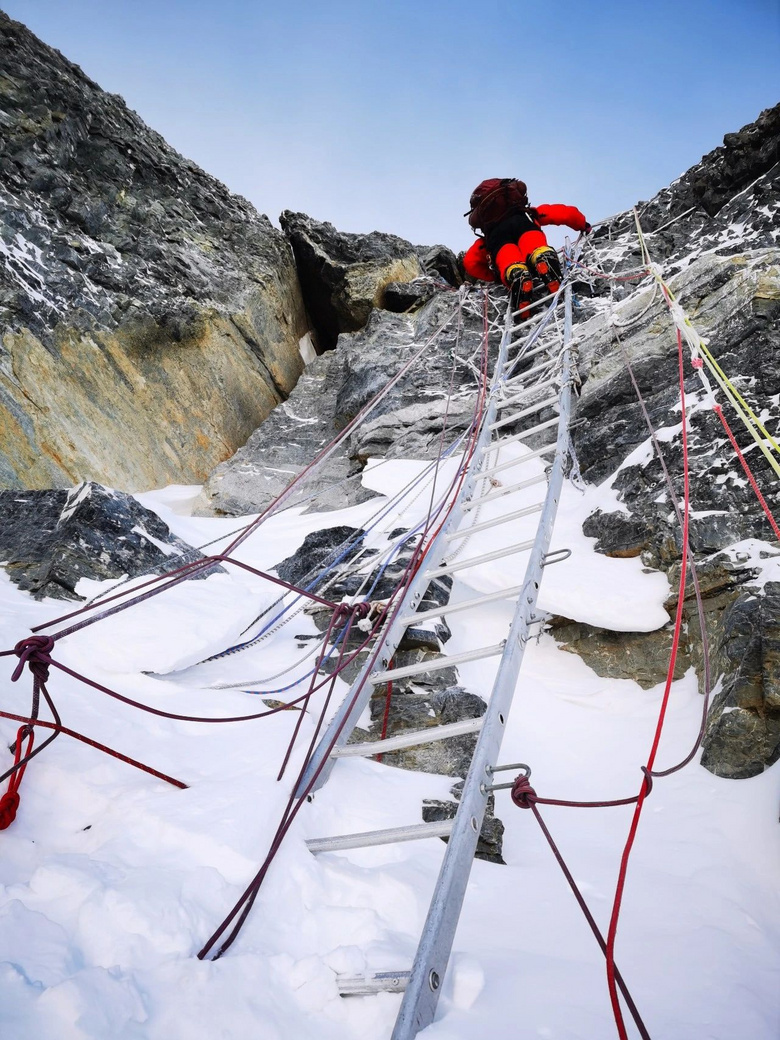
{"points": [[523, 795], [34, 652]]}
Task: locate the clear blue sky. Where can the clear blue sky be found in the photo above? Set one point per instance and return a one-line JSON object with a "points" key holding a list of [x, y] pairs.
{"points": [[384, 115]]}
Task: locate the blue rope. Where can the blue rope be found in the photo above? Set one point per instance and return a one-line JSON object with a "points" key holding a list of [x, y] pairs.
{"points": [[312, 671], [350, 546]]}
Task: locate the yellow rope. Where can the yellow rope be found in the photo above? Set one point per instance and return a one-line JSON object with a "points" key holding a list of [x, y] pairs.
{"points": [[735, 398]]}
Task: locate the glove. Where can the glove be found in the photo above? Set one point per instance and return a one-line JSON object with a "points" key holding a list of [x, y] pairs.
{"points": [[587, 229]]}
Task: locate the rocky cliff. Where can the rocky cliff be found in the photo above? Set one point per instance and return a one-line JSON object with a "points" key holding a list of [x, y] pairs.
{"points": [[715, 232], [149, 320]]}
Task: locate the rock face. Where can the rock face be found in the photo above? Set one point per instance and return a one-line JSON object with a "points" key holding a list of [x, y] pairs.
{"points": [[721, 259], [51, 539], [726, 202], [408, 422], [149, 319], [343, 276]]}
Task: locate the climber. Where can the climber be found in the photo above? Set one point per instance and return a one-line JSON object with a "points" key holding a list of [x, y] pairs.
{"points": [[514, 247]]}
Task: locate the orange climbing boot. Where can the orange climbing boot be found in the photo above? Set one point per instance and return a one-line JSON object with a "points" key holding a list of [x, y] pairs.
{"points": [[546, 264], [518, 278]]}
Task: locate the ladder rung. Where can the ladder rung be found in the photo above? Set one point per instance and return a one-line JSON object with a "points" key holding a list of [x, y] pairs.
{"points": [[365, 985], [539, 427], [509, 401], [536, 407], [475, 503], [487, 524], [533, 306], [527, 328], [527, 354], [436, 664], [528, 372], [470, 604], [526, 390], [517, 462], [413, 832], [409, 739], [497, 554]]}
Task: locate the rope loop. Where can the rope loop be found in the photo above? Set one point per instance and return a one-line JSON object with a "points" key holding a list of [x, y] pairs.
{"points": [[523, 795], [34, 652], [9, 803], [24, 732]]}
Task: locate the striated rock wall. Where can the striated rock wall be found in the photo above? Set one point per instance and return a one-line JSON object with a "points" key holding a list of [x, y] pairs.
{"points": [[721, 258], [149, 320], [408, 422]]}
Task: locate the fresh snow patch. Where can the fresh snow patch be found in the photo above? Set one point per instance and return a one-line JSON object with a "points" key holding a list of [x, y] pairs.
{"points": [[112, 880]]}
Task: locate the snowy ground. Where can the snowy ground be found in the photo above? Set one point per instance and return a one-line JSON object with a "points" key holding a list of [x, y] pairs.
{"points": [[111, 880]]}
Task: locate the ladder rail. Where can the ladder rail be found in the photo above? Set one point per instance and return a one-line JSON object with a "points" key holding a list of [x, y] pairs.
{"points": [[422, 993], [342, 724]]}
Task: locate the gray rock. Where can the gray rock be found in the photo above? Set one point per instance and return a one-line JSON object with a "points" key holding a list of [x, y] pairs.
{"points": [[743, 728], [319, 550], [51, 539], [400, 297], [491, 835], [721, 258], [335, 388], [440, 261], [726, 202], [142, 305], [343, 276], [414, 711]]}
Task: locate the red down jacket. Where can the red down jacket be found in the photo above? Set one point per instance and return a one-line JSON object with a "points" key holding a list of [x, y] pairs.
{"points": [[516, 237]]}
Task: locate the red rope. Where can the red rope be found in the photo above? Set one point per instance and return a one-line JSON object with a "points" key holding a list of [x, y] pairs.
{"points": [[705, 645], [620, 887], [9, 802], [719, 412], [524, 797], [93, 743], [243, 905]]}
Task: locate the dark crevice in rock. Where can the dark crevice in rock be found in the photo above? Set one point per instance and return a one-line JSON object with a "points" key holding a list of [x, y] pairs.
{"points": [[343, 275]]}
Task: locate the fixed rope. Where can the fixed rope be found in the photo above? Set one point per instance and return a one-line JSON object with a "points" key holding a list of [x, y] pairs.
{"points": [[37, 651], [228, 930], [700, 351]]}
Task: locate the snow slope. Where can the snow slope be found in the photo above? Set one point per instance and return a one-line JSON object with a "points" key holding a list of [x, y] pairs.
{"points": [[112, 880]]}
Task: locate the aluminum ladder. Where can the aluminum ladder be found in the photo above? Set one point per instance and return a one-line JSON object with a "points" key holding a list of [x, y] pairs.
{"points": [[422, 984]]}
